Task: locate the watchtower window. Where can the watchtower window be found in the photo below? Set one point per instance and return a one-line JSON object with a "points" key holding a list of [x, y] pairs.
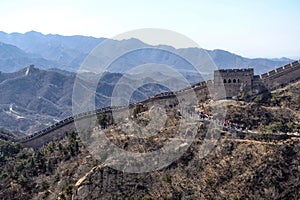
{"points": [[224, 81], [234, 81], [239, 81], [229, 80]]}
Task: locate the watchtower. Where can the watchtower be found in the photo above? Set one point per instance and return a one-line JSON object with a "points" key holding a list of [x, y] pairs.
{"points": [[234, 81]]}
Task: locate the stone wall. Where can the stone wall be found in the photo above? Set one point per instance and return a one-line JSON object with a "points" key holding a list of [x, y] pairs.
{"points": [[282, 75], [43, 139]]}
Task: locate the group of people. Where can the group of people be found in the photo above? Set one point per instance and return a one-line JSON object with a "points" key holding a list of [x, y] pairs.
{"points": [[224, 123]]}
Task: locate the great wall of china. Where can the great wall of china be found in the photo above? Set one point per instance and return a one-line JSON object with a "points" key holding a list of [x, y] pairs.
{"points": [[270, 80]]}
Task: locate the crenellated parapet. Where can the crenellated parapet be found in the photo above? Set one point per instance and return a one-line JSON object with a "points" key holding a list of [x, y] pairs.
{"points": [[233, 81], [281, 75]]}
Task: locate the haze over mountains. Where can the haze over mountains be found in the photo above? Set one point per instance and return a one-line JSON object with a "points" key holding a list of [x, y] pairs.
{"points": [[67, 52], [63, 52]]}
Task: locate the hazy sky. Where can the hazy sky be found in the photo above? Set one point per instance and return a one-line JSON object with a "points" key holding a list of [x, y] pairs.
{"points": [[253, 28]]}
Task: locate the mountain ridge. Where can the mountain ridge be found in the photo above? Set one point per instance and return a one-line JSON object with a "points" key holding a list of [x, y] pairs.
{"points": [[32, 99], [68, 52]]}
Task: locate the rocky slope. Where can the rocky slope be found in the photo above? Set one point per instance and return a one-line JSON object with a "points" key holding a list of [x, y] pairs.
{"points": [[236, 168]]}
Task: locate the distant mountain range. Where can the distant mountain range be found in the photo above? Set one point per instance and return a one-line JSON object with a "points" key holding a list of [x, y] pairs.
{"points": [[13, 59], [63, 52], [68, 52]]}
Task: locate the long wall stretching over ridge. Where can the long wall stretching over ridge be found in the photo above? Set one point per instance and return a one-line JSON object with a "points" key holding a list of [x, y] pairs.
{"points": [[60, 129], [272, 79]]}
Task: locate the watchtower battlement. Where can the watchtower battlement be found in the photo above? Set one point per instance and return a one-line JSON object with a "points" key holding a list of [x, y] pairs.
{"points": [[233, 80], [244, 71], [236, 81]]}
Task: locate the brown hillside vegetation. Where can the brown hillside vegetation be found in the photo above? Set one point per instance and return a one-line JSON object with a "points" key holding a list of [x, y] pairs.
{"points": [[276, 111], [236, 168]]}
